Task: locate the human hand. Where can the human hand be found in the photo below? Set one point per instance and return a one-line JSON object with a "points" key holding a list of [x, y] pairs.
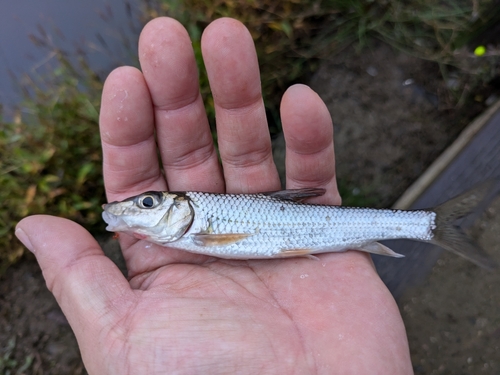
{"points": [[187, 313]]}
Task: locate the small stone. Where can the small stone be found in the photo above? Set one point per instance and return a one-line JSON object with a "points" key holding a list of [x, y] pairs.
{"points": [[371, 70]]}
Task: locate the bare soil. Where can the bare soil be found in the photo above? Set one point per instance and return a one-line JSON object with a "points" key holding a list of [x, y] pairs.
{"points": [[33, 330], [453, 319], [392, 119]]}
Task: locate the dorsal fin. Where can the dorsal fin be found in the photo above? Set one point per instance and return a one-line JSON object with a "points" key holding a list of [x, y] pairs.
{"points": [[296, 195]]}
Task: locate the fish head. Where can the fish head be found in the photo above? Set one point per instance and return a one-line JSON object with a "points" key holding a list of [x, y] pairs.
{"points": [[158, 217]]}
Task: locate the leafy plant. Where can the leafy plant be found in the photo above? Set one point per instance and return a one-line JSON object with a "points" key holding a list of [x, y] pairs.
{"points": [[51, 162]]}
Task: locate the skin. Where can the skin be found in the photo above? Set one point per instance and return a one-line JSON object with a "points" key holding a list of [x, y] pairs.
{"points": [[191, 314]]}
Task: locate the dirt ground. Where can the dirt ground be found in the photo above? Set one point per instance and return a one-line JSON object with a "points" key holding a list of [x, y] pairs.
{"points": [[392, 119], [453, 320]]}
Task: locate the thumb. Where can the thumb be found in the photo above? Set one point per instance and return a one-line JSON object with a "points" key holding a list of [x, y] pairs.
{"points": [[90, 289]]}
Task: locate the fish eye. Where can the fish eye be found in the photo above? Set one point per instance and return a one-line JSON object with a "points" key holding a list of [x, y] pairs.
{"points": [[147, 201]]}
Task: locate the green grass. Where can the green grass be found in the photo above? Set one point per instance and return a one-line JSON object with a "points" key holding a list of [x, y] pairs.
{"points": [[51, 158], [51, 162]]}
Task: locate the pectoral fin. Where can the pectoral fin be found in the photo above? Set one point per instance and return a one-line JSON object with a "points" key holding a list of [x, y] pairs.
{"points": [[378, 248], [208, 239]]}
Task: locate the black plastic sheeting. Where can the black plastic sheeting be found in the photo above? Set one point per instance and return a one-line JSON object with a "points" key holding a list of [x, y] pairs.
{"points": [[478, 161]]}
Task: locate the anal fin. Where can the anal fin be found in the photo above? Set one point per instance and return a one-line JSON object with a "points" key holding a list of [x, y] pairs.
{"points": [[292, 253], [378, 248]]}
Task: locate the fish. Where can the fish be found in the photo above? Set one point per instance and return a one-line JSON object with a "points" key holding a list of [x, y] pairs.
{"points": [[281, 224]]}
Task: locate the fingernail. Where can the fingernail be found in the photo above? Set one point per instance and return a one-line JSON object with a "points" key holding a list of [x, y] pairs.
{"points": [[23, 237]]}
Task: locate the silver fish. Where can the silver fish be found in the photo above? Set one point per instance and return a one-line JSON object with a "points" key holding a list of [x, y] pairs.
{"points": [[280, 225]]}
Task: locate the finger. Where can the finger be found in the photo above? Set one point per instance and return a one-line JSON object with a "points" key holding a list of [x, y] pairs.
{"points": [[308, 131], [184, 138], [90, 289], [242, 131], [130, 161], [310, 156]]}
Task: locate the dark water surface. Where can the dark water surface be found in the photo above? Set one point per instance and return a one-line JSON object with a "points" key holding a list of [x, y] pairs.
{"points": [[105, 30]]}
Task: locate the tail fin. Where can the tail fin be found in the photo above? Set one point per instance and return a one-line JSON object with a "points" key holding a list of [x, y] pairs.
{"points": [[452, 238]]}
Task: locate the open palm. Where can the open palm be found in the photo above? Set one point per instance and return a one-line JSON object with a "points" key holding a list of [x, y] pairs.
{"points": [[192, 314]]}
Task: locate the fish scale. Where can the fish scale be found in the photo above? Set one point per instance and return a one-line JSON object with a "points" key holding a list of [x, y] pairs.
{"points": [[277, 226]]}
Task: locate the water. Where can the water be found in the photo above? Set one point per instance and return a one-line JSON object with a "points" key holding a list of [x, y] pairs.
{"points": [[105, 30]]}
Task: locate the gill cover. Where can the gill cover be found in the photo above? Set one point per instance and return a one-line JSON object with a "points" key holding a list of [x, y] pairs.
{"points": [[177, 219]]}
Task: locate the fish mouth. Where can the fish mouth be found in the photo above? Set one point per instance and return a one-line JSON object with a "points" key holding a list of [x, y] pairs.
{"points": [[115, 223]]}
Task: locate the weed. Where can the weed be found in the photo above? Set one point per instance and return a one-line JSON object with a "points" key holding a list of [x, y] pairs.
{"points": [[10, 366], [51, 163]]}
